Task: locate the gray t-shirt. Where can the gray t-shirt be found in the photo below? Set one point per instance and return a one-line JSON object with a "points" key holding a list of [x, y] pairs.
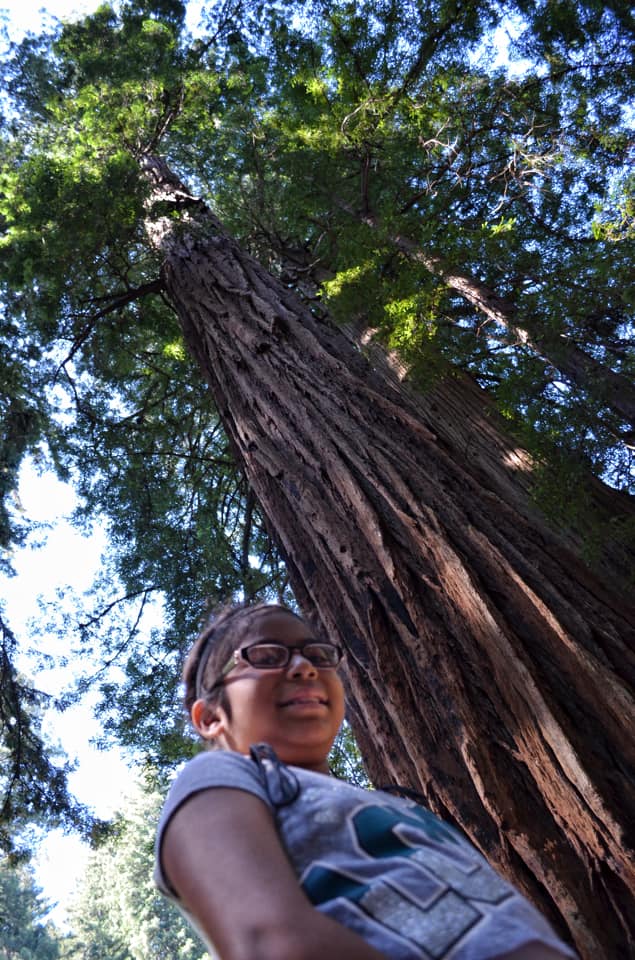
{"points": [[406, 882]]}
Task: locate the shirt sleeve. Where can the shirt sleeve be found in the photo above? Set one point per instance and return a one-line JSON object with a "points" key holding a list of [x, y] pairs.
{"points": [[212, 768]]}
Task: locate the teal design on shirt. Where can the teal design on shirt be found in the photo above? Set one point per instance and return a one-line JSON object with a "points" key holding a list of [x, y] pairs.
{"points": [[431, 901]]}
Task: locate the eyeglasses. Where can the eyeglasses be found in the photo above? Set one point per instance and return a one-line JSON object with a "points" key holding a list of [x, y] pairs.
{"points": [[275, 656]]}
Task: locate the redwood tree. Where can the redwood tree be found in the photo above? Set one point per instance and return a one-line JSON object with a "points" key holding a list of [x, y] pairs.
{"points": [[487, 666]]}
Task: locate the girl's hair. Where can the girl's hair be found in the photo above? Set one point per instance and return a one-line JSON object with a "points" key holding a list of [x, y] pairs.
{"points": [[220, 636]]}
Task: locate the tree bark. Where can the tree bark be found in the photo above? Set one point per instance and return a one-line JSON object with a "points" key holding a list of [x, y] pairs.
{"points": [[487, 666]]}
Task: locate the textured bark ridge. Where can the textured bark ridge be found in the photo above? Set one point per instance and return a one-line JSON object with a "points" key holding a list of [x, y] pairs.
{"points": [[487, 667]]}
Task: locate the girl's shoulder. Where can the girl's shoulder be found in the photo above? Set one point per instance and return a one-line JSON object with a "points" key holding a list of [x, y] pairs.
{"points": [[212, 769]]}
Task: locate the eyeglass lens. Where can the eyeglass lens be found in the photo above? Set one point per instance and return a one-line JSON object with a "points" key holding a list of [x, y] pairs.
{"points": [[273, 655]]}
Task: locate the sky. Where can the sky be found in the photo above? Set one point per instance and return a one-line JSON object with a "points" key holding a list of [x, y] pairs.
{"points": [[103, 779], [52, 559], [32, 14]]}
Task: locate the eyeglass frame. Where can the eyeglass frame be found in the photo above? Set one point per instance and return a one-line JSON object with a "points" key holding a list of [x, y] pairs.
{"points": [[240, 654]]}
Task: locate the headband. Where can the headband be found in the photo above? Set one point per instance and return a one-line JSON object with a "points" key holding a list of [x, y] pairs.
{"points": [[202, 663]]}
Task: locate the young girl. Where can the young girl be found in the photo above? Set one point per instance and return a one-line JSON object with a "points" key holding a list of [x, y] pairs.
{"points": [[271, 858]]}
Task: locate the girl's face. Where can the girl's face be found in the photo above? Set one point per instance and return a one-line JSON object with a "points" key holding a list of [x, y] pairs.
{"points": [[297, 709]]}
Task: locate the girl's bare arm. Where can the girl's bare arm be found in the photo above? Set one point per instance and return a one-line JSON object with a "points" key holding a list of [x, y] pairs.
{"points": [[223, 857]]}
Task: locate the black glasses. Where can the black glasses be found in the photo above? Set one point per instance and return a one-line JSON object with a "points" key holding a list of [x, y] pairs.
{"points": [[269, 655]]}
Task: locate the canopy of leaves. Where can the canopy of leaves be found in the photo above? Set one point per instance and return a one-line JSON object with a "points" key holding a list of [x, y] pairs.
{"points": [[394, 165], [377, 156]]}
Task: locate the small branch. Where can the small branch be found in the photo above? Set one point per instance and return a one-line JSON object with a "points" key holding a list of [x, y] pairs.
{"points": [[117, 301], [110, 606]]}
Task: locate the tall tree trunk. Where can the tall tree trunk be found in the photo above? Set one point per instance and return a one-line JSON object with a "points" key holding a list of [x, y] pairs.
{"points": [[487, 666]]}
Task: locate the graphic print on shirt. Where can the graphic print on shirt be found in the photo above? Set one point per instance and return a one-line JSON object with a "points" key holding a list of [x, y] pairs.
{"points": [[439, 893]]}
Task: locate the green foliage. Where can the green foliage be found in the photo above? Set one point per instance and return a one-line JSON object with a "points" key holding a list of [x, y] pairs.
{"points": [[117, 913], [119, 407], [33, 776], [21, 422], [182, 527], [24, 931], [345, 760]]}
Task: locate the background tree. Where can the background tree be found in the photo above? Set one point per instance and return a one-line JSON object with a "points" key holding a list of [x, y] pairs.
{"points": [[24, 931], [118, 913], [339, 152], [33, 772]]}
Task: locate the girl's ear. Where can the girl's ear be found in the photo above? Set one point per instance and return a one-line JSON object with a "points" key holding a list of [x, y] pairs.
{"points": [[208, 719]]}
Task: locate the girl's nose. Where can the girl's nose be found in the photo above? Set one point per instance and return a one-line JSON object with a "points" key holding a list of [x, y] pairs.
{"points": [[299, 666]]}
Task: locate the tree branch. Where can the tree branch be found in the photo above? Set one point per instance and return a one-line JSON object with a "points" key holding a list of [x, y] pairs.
{"points": [[115, 302]]}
